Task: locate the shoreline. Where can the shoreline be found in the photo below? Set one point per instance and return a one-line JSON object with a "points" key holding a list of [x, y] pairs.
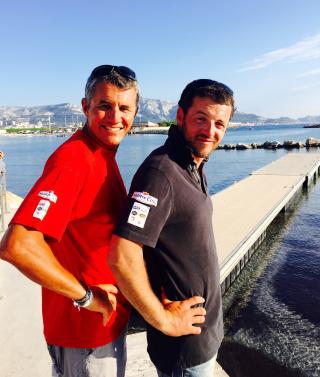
{"points": [[163, 130], [288, 144]]}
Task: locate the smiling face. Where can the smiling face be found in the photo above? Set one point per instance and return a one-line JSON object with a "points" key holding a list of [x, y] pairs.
{"points": [[204, 125], [110, 113]]}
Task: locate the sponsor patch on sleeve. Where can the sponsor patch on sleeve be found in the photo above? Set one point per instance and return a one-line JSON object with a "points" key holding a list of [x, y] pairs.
{"points": [[41, 209], [138, 215], [145, 197], [50, 195]]}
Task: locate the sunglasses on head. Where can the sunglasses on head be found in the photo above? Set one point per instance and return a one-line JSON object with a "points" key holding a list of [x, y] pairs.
{"points": [[106, 70], [207, 82]]}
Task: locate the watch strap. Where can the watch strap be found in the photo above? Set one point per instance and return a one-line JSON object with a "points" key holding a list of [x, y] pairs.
{"points": [[84, 301]]}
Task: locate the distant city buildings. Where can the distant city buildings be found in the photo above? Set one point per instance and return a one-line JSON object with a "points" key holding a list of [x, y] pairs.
{"points": [[144, 124]]}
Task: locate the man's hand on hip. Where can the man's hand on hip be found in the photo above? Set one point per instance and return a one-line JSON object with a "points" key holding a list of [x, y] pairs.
{"points": [[181, 316]]}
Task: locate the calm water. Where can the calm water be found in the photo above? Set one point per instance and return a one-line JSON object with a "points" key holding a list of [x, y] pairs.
{"points": [[25, 155], [272, 312]]}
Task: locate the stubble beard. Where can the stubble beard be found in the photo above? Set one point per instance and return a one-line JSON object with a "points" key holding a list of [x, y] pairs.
{"points": [[203, 152]]}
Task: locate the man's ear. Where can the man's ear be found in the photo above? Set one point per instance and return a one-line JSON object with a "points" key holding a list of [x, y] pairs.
{"points": [[180, 116], [85, 106]]}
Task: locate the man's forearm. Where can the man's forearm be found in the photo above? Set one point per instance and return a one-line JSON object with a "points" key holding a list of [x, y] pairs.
{"points": [[28, 251], [172, 318], [127, 264]]}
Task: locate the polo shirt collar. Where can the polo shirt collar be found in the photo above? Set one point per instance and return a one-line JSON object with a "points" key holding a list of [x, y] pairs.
{"points": [[181, 153]]}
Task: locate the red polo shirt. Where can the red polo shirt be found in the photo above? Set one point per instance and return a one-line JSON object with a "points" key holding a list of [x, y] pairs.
{"points": [[75, 204]]}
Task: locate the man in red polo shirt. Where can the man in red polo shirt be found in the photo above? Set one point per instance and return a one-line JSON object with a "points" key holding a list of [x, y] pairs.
{"points": [[60, 235]]}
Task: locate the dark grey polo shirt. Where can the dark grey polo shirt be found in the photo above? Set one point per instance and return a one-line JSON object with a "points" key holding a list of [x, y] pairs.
{"points": [[170, 213]]}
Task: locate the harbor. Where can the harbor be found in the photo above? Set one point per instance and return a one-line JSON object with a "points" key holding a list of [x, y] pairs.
{"points": [[262, 178]]}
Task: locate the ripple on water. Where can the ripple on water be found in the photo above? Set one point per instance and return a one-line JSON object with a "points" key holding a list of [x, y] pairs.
{"points": [[275, 331]]}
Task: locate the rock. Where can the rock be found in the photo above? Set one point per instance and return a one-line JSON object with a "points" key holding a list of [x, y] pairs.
{"points": [[312, 126], [312, 142], [229, 146], [271, 145], [290, 144], [243, 146]]}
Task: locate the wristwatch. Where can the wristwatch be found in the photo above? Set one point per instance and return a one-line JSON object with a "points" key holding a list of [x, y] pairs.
{"points": [[84, 301]]}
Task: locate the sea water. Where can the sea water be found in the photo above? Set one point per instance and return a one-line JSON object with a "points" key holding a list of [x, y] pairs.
{"points": [[272, 312]]}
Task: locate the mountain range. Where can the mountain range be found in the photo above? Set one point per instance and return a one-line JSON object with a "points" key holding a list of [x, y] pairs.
{"points": [[152, 110]]}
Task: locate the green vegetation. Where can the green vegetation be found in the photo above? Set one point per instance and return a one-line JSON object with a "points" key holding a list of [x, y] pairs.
{"points": [[167, 123], [26, 130]]}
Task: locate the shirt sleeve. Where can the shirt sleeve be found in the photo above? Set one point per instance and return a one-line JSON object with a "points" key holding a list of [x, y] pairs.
{"points": [[147, 209], [50, 204]]}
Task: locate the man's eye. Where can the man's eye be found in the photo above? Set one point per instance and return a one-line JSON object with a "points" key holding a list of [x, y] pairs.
{"points": [[104, 107], [125, 109]]}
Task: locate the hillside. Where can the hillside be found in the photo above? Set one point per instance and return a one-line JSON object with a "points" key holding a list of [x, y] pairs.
{"points": [[153, 110]]}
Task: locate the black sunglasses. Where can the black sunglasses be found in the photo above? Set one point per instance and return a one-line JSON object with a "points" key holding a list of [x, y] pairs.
{"points": [[106, 70], [207, 82]]}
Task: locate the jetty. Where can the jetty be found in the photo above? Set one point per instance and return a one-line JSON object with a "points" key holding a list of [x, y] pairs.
{"points": [[244, 210], [242, 214], [312, 126]]}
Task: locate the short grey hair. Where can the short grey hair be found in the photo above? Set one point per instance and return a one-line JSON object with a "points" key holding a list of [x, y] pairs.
{"points": [[114, 78]]}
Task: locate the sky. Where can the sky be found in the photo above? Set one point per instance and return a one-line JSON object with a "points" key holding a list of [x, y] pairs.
{"points": [[267, 51]]}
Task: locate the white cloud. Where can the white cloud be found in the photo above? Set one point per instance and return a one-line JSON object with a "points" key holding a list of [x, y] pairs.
{"points": [[311, 73], [307, 49], [306, 87]]}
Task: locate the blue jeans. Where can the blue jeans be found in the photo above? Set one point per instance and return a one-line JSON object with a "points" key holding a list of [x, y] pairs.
{"points": [[106, 361], [203, 370]]}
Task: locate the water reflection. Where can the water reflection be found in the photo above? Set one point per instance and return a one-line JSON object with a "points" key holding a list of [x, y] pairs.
{"points": [[272, 312]]}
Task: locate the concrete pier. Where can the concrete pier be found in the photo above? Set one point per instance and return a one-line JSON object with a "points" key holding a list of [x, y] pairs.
{"points": [[243, 211], [242, 214]]}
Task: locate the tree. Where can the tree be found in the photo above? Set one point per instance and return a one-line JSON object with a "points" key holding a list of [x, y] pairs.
{"points": [[167, 123]]}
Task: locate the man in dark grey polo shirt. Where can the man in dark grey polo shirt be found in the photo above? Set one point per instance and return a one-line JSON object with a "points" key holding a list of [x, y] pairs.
{"points": [[167, 227]]}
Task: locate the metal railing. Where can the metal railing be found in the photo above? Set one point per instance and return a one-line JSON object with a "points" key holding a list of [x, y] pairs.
{"points": [[3, 195]]}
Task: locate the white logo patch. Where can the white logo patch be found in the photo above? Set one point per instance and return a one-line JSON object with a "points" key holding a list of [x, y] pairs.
{"points": [[41, 209], [146, 198], [138, 214], [50, 195]]}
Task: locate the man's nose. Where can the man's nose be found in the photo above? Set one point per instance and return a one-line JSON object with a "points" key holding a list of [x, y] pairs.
{"points": [[114, 115], [211, 129]]}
